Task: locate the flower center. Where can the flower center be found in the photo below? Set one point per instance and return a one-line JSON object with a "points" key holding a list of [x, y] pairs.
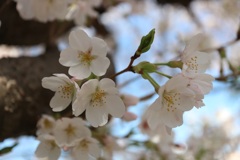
{"points": [[52, 144], [192, 63], [84, 144], [66, 91], [170, 100], [98, 98], [86, 58], [47, 124], [70, 130], [50, 1]]}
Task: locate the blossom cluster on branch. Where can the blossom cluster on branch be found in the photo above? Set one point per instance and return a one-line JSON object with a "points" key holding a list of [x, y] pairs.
{"points": [[95, 100], [87, 62]]}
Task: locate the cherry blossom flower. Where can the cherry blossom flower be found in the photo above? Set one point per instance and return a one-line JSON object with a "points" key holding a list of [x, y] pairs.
{"points": [[45, 125], [44, 10], [67, 131], [80, 9], [48, 148], [65, 90], [85, 55], [174, 98], [98, 98], [193, 60], [85, 148]]}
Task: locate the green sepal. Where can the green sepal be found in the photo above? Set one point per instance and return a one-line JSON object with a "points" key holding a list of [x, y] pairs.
{"points": [[145, 67], [175, 64], [146, 42]]}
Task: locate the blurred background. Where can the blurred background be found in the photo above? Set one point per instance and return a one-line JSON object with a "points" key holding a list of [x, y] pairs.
{"points": [[29, 51]]}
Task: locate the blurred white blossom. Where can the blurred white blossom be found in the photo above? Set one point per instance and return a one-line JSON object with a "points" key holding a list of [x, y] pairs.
{"points": [[85, 148], [67, 131], [48, 148], [42, 10], [79, 10]]}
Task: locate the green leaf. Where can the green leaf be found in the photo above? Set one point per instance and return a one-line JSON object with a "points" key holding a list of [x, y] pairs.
{"points": [[146, 42], [7, 149]]}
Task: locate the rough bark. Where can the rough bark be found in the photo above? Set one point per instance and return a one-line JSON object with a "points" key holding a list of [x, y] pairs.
{"points": [[22, 99]]}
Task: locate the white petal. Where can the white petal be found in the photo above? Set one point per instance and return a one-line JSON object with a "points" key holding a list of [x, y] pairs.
{"points": [[199, 104], [45, 149], [52, 83], [186, 102], [99, 47], [100, 65], [69, 57], [55, 153], [96, 116], [115, 106], [152, 119], [58, 103], [79, 71], [78, 107], [79, 40], [108, 86], [88, 88], [202, 86], [94, 150], [193, 44], [80, 154], [176, 83], [106, 82], [171, 119], [64, 77], [42, 150]]}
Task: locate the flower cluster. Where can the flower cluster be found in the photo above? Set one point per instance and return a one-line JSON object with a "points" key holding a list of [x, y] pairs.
{"points": [[86, 59], [49, 10], [79, 10], [183, 91], [67, 134], [98, 98], [43, 11]]}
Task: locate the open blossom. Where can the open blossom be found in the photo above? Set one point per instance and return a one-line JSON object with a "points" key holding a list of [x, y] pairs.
{"points": [[48, 148], [45, 125], [67, 131], [85, 55], [42, 10], [86, 148], [174, 98], [98, 98], [65, 89], [79, 10], [193, 60]]}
